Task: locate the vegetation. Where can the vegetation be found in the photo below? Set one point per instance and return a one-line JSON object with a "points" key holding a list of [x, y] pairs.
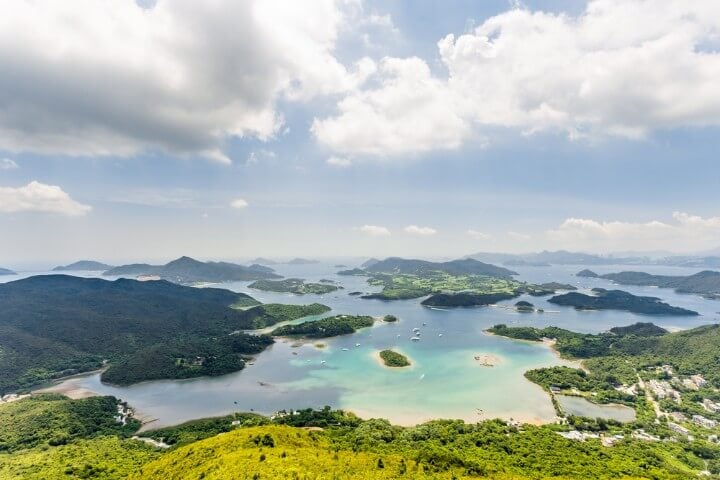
{"points": [[397, 265], [465, 299], [326, 327], [557, 286], [293, 285], [353, 272], [87, 265], [616, 357], [394, 359], [523, 306], [186, 270], [145, 330], [51, 419], [618, 300], [334, 444], [390, 318], [706, 283], [269, 314]]}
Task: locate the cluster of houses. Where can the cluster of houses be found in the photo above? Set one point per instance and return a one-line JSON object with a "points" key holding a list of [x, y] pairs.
{"points": [[124, 413], [662, 390]]}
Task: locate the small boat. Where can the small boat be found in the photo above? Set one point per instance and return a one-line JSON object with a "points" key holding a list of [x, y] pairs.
{"points": [[439, 334], [345, 349], [322, 361], [357, 344], [415, 339], [398, 336], [422, 376], [424, 324]]}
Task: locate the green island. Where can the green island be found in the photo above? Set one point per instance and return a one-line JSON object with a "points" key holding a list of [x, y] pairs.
{"points": [[325, 327], [394, 359], [323, 443], [523, 306], [135, 330], [390, 318], [186, 271], [618, 300], [294, 285], [409, 286], [705, 283]]}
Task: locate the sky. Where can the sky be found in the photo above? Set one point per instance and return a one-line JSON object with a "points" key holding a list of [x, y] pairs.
{"points": [[220, 129]]}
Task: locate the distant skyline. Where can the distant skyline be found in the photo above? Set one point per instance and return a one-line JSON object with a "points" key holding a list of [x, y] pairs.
{"points": [[277, 128]]}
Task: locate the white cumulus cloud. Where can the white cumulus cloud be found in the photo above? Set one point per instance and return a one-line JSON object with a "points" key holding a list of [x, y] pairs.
{"points": [[239, 203], [182, 76], [374, 230], [684, 233], [620, 68], [421, 231], [40, 197]]}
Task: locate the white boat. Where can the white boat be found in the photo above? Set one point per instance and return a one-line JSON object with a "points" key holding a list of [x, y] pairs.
{"points": [[345, 349], [357, 344], [415, 339], [439, 334], [322, 361]]}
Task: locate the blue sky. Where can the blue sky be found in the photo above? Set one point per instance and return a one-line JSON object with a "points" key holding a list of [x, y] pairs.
{"points": [[599, 134]]}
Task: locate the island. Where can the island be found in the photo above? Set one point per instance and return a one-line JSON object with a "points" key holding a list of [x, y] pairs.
{"points": [[555, 286], [294, 285], [464, 299], [705, 283], [301, 261], [358, 272], [525, 307], [135, 330], [390, 318], [618, 300], [84, 265], [5, 271], [186, 270], [393, 359], [326, 327], [455, 267]]}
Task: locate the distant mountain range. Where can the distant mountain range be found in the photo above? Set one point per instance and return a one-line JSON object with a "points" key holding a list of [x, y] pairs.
{"points": [[454, 267], [5, 271], [186, 270], [706, 283], [564, 257], [86, 265]]}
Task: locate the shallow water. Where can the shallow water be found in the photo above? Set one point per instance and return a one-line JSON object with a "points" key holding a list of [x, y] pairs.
{"points": [[584, 408], [444, 381]]}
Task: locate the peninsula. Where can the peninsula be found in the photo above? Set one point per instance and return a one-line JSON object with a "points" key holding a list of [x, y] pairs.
{"points": [[294, 285], [705, 283]]}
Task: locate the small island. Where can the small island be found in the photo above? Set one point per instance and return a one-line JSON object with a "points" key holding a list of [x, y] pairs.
{"points": [[618, 300], [294, 285], [325, 327], [5, 271], [465, 299], [86, 265], [525, 307], [394, 359], [390, 318]]}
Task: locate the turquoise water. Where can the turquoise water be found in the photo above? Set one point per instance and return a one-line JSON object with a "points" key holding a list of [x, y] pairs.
{"points": [[444, 381]]}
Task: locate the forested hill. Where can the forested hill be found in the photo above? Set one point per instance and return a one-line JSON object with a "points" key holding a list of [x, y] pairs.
{"points": [[187, 270], [89, 265], [57, 324], [454, 267], [706, 283]]}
